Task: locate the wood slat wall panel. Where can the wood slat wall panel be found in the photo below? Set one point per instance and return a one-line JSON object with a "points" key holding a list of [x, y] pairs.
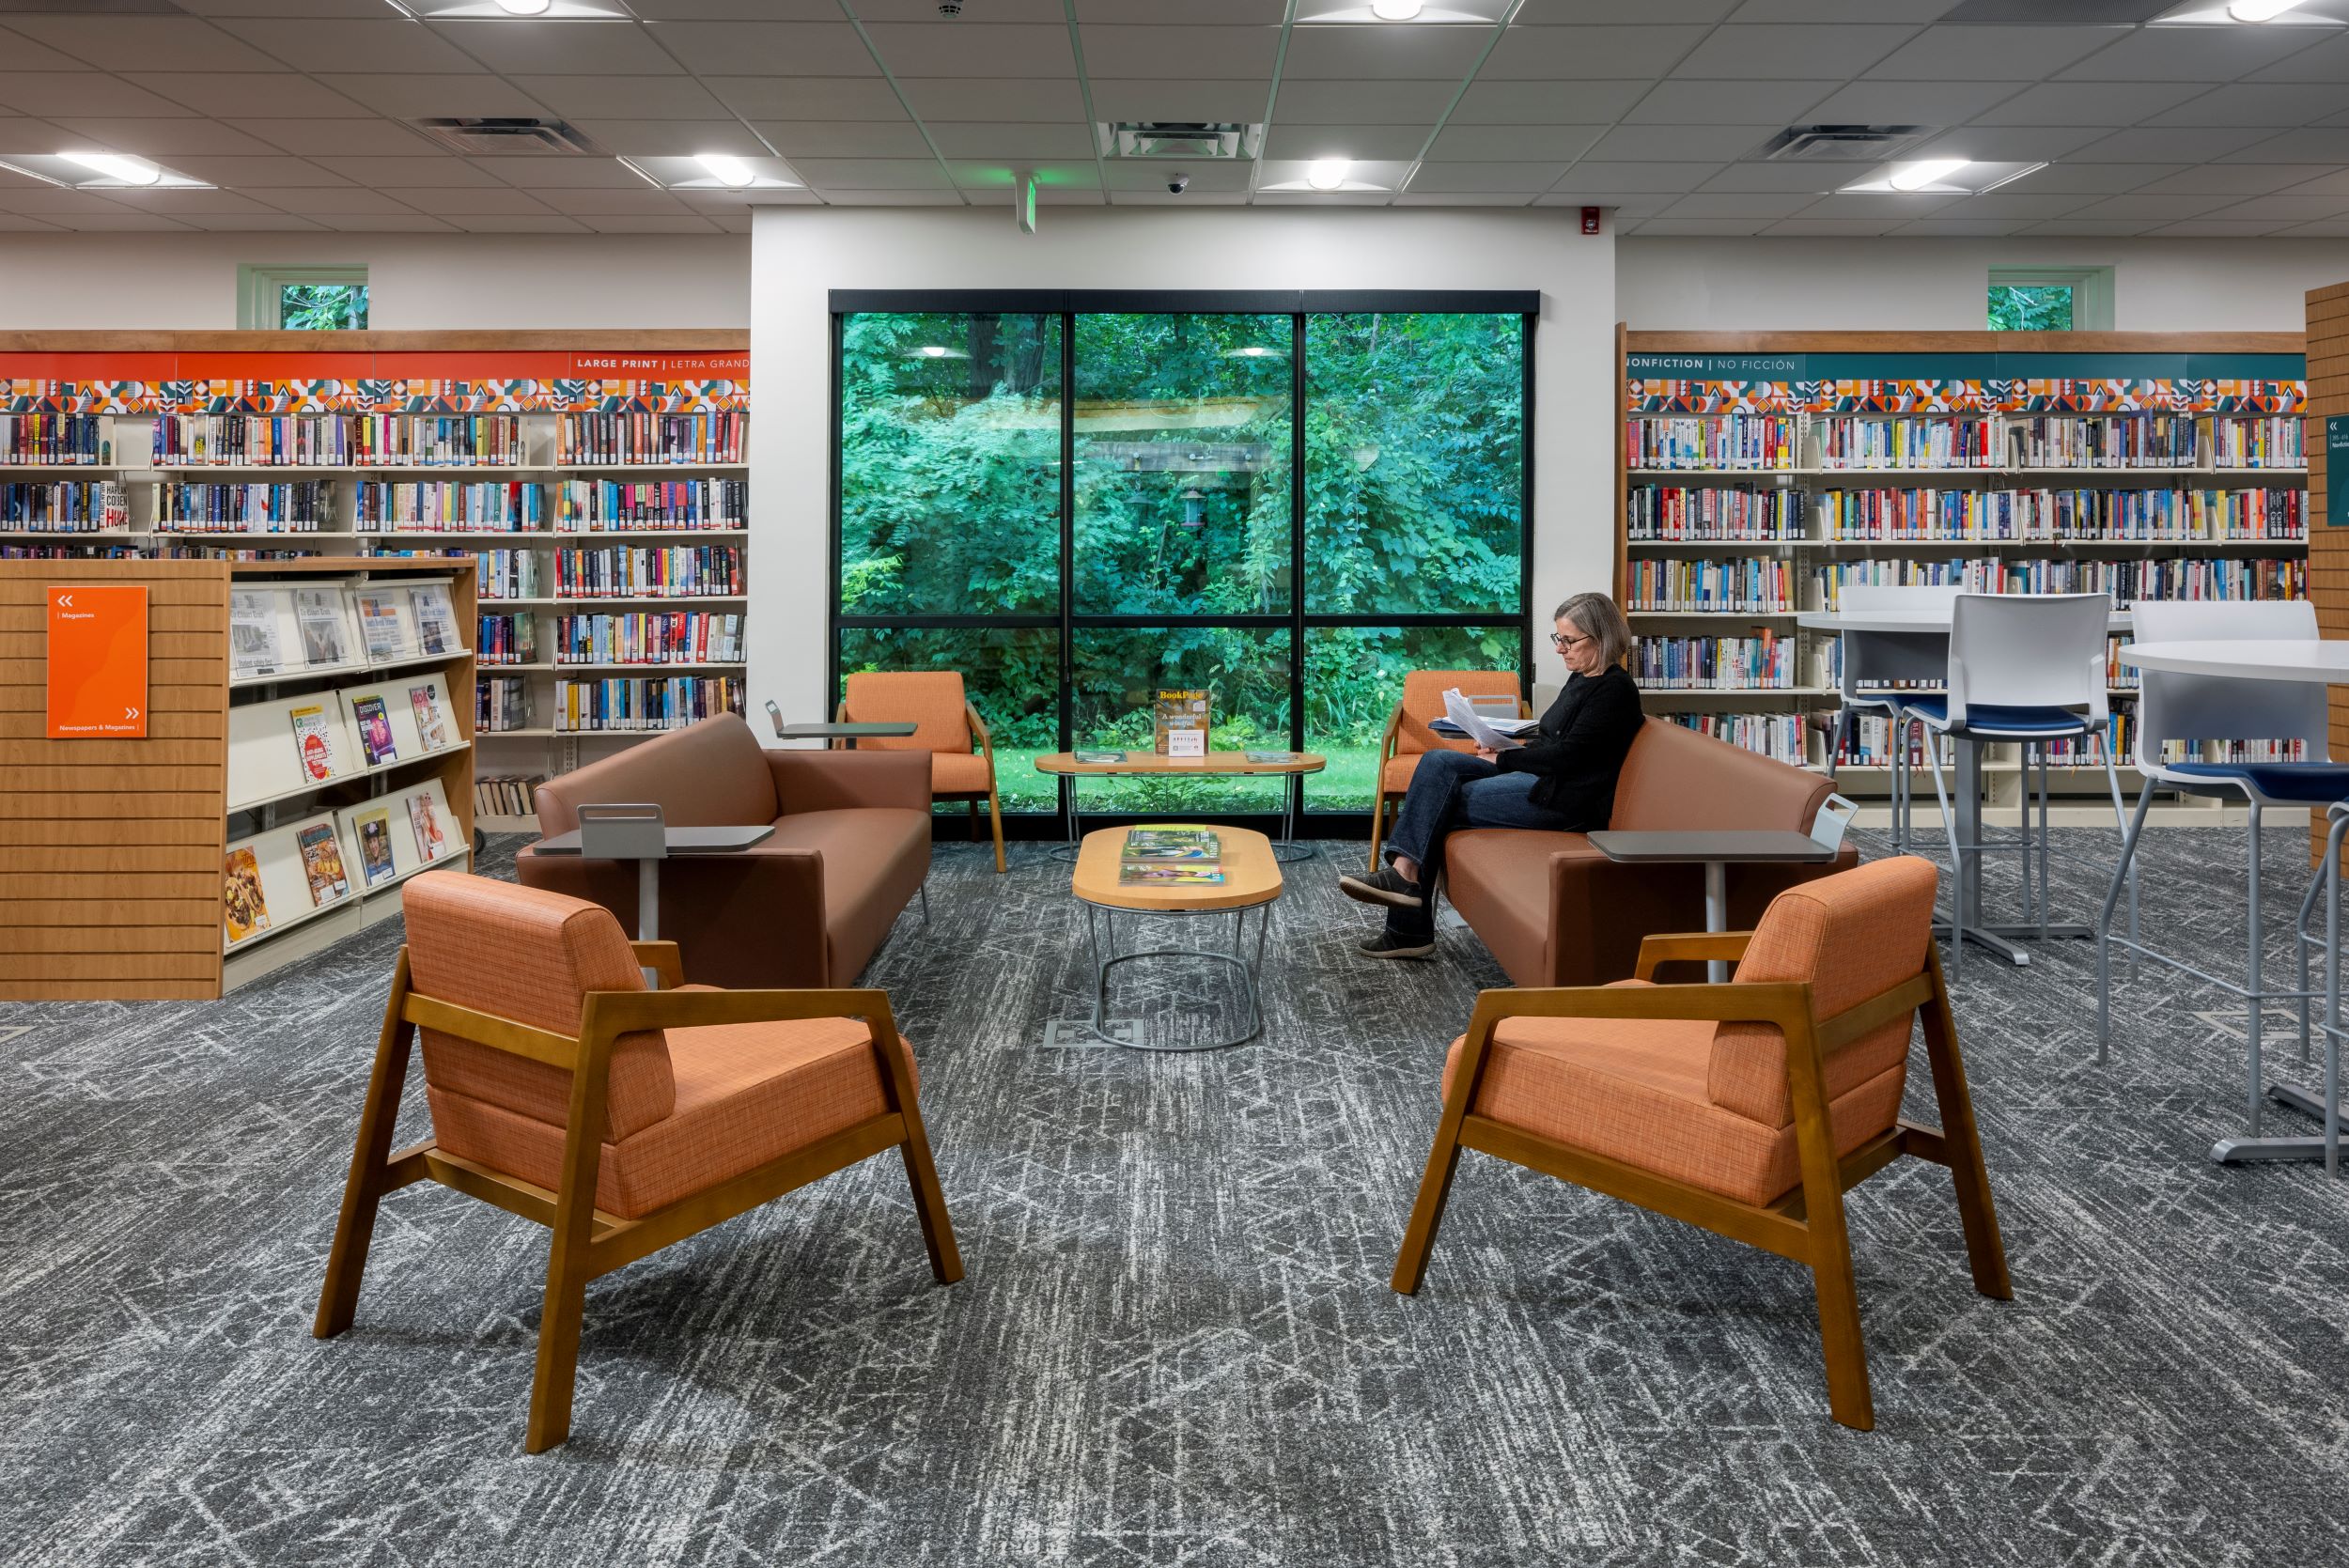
{"points": [[110, 859], [2328, 555]]}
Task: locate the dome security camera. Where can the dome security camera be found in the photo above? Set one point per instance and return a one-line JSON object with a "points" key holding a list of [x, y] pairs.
{"points": [[1177, 183]]}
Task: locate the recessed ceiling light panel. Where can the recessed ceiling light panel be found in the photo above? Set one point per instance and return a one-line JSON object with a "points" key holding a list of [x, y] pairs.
{"points": [[99, 171]]}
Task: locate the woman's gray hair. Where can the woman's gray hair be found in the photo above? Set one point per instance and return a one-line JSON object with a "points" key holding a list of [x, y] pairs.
{"points": [[1596, 616]]}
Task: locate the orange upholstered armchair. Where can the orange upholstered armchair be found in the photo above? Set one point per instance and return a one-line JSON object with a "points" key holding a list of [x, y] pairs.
{"points": [[949, 727], [1748, 1109], [1409, 738], [622, 1119]]}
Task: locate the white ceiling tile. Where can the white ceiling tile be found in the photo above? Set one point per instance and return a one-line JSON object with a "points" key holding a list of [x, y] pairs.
{"points": [[2107, 103], [124, 223], [1579, 13], [1048, 195], [927, 49], [641, 202], [380, 172], [1363, 103], [2323, 185], [991, 175], [79, 93], [1638, 178], [979, 13], [736, 10], [2093, 178], [384, 222], [254, 223], [159, 139], [965, 139], [1321, 198], [2283, 209], [22, 54], [357, 8], [1158, 196], [1739, 204], [2173, 145], [1772, 11], [843, 138], [1991, 53], [414, 97], [2278, 104], [1685, 142], [257, 173], [333, 201], [1416, 197], [2325, 228], [985, 98], [186, 203], [2324, 58], [576, 174], [519, 223], [2310, 146], [672, 138], [734, 225], [1371, 141], [1888, 208], [2166, 208], [807, 97], [1531, 179], [2090, 228], [1471, 141], [466, 201], [306, 138], [1216, 12], [52, 200], [1125, 100], [1679, 101], [1794, 52], [1124, 175], [1587, 54], [249, 95], [2007, 143], [685, 223], [175, 43], [17, 223], [1375, 51], [1703, 227], [1806, 226], [632, 97], [1781, 178], [2237, 178], [1196, 52], [872, 174], [1488, 103], [322, 45], [2202, 55], [571, 48], [846, 195], [2217, 229], [2018, 205], [1939, 227], [1908, 102], [717, 48]]}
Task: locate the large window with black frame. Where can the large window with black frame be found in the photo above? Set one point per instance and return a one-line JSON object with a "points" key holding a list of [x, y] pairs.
{"points": [[1079, 501]]}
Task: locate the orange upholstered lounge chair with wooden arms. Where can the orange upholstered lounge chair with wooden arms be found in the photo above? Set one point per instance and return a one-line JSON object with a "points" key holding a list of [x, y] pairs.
{"points": [[949, 728], [1407, 738], [622, 1119], [1748, 1109]]}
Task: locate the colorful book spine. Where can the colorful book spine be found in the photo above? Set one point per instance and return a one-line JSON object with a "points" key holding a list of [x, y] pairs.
{"points": [[71, 507], [621, 438], [1765, 662], [677, 571], [450, 507], [1722, 442], [617, 505], [300, 507], [634, 704], [1745, 513], [664, 637], [52, 440]]}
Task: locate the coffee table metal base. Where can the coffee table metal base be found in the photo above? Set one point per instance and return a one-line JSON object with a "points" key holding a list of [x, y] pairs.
{"points": [[1101, 934]]}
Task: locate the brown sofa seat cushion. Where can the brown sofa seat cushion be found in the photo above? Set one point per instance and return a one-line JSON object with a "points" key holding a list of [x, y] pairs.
{"points": [[746, 1093]]}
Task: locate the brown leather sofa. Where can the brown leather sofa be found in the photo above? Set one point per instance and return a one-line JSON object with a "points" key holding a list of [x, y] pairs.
{"points": [[810, 905], [1555, 911]]}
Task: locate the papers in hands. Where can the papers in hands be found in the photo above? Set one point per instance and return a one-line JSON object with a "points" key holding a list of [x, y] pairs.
{"points": [[1460, 712]]}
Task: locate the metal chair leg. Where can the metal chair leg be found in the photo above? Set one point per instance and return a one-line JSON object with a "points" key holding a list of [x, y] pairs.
{"points": [[1957, 862], [2045, 885], [2122, 871], [2120, 817], [2255, 1070], [926, 901]]}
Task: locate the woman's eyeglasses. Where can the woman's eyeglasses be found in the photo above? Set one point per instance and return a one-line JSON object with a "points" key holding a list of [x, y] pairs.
{"points": [[1560, 641]]}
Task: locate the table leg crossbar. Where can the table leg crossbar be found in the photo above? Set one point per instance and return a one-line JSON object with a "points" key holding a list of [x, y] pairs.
{"points": [[1102, 938]]}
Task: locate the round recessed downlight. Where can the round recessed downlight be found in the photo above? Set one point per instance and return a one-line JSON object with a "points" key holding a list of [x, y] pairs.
{"points": [[1326, 173], [1395, 10]]}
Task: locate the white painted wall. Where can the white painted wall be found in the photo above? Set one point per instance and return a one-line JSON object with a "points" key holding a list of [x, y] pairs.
{"points": [[1763, 285], [416, 282], [799, 254]]}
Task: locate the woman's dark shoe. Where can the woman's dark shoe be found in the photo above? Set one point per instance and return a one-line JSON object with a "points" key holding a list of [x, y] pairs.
{"points": [[1390, 945], [1385, 886]]}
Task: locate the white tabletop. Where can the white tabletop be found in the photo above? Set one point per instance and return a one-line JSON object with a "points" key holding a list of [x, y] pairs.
{"points": [[2297, 659], [1924, 621]]}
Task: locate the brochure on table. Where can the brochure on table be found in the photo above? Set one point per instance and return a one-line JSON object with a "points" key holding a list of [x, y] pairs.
{"points": [[276, 748], [319, 862]]}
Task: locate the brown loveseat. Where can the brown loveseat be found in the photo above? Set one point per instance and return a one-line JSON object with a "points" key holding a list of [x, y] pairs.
{"points": [[1557, 912], [810, 905]]}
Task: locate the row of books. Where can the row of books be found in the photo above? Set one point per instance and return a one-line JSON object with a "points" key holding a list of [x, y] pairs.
{"points": [[594, 506], [291, 629], [1171, 858], [55, 440], [649, 637], [337, 441], [2125, 581], [715, 437], [68, 552], [1830, 669], [1773, 735], [501, 704], [585, 505], [1735, 440], [69, 506], [507, 639], [275, 877], [1853, 441], [1764, 663], [506, 794], [444, 506], [1927, 515], [2138, 440], [1680, 584], [634, 704], [679, 570], [507, 573], [1721, 512], [300, 507]]}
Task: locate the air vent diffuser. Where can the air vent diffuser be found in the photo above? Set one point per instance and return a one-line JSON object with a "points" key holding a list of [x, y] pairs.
{"points": [[1837, 143], [508, 137], [1193, 141]]}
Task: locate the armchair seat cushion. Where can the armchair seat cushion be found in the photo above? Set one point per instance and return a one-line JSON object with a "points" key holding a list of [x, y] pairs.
{"points": [[960, 773], [746, 1093], [1635, 1089]]}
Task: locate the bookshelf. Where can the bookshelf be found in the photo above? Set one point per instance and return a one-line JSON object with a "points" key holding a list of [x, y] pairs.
{"points": [[1759, 473]]}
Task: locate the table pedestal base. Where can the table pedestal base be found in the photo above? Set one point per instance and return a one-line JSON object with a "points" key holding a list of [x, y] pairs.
{"points": [[1101, 934]]}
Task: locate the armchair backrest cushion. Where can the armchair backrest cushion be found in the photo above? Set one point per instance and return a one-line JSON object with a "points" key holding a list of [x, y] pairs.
{"points": [[930, 699], [530, 956], [710, 774], [1673, 778], [1422, 703], [1852, 936]]}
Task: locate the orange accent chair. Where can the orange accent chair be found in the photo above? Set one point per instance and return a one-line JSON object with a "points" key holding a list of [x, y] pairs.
{"points": [[1409, 738], [949, 727], [622, 1119], [1747, 1109]]}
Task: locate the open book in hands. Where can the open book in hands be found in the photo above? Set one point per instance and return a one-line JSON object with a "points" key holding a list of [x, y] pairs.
{"points": [[1492, 734]]}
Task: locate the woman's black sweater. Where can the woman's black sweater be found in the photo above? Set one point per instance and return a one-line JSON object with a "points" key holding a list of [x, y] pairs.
{"points": [[1580, 747]]}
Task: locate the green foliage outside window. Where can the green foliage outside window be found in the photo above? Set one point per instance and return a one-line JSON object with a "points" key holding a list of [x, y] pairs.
{"points": [[322, 306], [2035, 308]]}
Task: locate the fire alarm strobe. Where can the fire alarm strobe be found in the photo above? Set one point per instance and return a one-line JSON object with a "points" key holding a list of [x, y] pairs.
{"points": [[1590, 220]]}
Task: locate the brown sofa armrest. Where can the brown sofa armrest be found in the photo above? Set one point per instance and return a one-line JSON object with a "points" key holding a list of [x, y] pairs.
{"points": [[839, 781], [755, 917], [1689, 947]]}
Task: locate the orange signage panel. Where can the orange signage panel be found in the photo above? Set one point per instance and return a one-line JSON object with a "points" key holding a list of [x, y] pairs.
{"points": [[97, 662]]}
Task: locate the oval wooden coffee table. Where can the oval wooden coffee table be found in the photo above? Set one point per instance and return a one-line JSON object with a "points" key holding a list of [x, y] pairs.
{"points": [[1252, 880]]}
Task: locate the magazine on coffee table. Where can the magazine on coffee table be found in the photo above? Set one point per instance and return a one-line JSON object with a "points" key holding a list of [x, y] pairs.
{"points": [[1171, 856]]}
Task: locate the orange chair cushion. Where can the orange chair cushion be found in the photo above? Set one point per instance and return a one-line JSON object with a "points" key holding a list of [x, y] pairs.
{"points": [[746, 1093], [929, 699], [529, 956], [1634, 1091], [1422, 702], [1853, 935], [1395, 777], [960, 773]]}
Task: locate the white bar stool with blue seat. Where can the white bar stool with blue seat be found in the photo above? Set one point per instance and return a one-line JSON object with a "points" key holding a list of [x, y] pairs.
{"points": [[2026, 669], [1885, 660]]}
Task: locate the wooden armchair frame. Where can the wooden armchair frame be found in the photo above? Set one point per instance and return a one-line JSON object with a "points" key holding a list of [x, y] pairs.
{"points": [[588, 1242], [1807, 1225], [994, 801], [1382, 796]]}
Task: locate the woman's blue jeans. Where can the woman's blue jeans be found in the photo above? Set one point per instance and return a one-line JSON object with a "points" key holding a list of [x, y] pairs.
{"points": [[1451, 790]]}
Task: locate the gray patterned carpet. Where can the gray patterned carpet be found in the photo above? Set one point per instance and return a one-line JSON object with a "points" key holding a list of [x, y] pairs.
{"points": [[1176, 1344]]}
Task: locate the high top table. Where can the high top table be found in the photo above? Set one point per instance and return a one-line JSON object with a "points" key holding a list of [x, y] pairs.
{"points": [[2322, 663], [1914, 644]]}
